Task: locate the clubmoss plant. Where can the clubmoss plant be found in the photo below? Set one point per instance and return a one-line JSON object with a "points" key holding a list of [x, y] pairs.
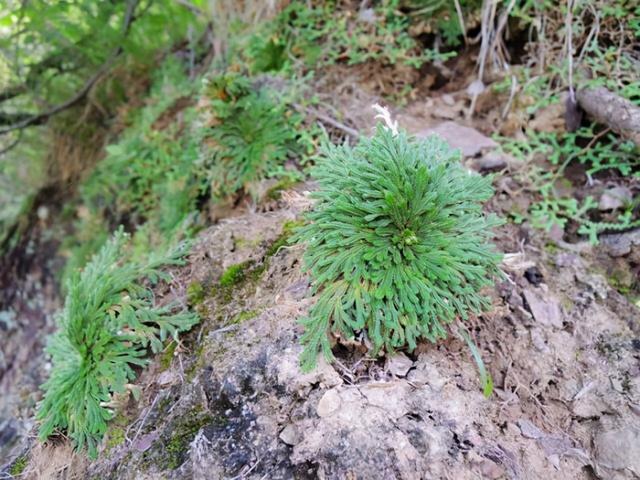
{"points": [[256, 134], [398, 245], [105, 329]]}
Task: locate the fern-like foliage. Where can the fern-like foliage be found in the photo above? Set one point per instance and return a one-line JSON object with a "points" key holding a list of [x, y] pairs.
{"points": [[255, 135], [106, 327], [397, 244]]}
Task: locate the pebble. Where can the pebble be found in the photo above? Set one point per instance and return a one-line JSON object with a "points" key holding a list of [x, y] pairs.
{"points": [[290, 435], [615, 198], [399, 364], [469, 140], [619, 449], [329, 403]]}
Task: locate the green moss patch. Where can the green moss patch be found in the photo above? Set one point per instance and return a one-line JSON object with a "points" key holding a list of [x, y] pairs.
{"points": [[183, 434], [195, 293], [275, 192], [19, 465], [244, 316], [288, 229], [167, 356], [233, 275]]}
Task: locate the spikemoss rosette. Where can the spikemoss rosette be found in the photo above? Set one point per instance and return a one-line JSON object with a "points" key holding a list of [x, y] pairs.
{"points": [[397, 243], [104, 332]]}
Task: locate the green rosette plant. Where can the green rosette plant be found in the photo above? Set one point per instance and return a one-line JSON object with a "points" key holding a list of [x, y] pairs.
{"points": [[397, 243], [108, 324]]}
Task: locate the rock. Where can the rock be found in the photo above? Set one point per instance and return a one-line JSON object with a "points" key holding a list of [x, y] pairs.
{"points": [[491, 470], [448, 99], [470, 141], [290, 435], [615, 198], [620, 244], [144, 442], [367, 15], [399, 364], [289, 373], [329, 403], [619, 449], [427, 373], [529, 430], [167, 377], [544, 307], [596, 282], [475, 88], [445, 111], [491, 161]]}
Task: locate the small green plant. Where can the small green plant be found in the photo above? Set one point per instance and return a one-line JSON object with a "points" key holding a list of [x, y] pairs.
{"points": [[597, 152], [397, 243], [255, 135], [108, 323]]}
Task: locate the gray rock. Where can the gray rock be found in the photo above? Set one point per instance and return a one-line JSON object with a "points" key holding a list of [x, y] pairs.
{"points": [[620, 244], [290, 435], [399, 364], [329, 403], [619, 449], [529, 430], [470, 141], [491, 161], [545, 308], [615, 198]]}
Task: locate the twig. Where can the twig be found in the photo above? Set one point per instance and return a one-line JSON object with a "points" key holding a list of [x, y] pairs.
{"points": [[145, 418], [42, 117], [327, 119]]}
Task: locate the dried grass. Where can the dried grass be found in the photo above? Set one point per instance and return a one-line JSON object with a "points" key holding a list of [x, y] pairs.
{"points": [[55, 462]]}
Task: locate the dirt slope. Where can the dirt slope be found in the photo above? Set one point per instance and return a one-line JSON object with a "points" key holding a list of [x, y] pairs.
{"points": [[231, 403]]}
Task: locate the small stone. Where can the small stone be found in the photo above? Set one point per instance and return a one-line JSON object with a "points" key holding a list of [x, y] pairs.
{"points": [[529, 430], [475, 88], [399, 364], [368, 15], [448, 99], [491, 161], [545, 309], [620, 244], [615, 198], [290, 435], [426, 373], [491, 470], [470, 141], [144, 442], [619, 449], [167, 377], [329, 403]]}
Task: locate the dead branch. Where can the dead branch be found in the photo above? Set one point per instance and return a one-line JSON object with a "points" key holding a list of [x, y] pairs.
{"points": [[609, 109], [40, 118]]}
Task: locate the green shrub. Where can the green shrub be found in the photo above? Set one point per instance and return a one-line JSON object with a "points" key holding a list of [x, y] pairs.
{"points": [[105, 329], [397, 244], [255, 134]]}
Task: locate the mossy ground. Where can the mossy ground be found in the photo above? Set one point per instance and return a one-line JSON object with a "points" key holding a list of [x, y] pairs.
{"points": [[185, 430], [167, 355], [18, 466]]}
